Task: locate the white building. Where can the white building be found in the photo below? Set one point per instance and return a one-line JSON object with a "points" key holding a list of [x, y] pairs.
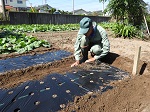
{"points": [[80, 12], [16, 4]]}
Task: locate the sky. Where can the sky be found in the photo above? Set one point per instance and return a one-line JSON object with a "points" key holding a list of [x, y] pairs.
{"points": [[67, 5]]}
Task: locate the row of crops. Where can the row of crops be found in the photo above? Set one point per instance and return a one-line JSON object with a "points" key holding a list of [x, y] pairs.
{"points": [[13, 39], [19, 43], [119, 29], [39, 27]]}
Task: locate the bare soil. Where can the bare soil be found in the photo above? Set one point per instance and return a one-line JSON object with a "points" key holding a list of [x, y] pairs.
{"points": [[129, 95]]}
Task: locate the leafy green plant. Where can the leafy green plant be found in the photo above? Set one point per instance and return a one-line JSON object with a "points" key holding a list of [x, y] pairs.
{"points": [[39, 27], [122, 30], [107, 25], [20, 43]]}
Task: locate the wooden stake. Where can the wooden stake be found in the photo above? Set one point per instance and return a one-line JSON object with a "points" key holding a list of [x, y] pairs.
{"points": [[146, 25], [136, 61]]}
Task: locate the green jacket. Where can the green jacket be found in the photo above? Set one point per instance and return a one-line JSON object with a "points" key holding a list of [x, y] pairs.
{"points": [[99, 37]]}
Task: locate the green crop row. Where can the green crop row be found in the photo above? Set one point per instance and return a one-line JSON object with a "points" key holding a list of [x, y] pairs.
{"points": [[119, 29], [39, 27], [20, 43]]}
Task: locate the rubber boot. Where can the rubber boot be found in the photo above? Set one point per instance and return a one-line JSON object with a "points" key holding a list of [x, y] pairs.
{"points": [[84, 52]]}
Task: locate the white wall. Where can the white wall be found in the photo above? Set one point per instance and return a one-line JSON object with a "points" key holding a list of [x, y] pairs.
{"points": [[14, 3], [0, 2]]}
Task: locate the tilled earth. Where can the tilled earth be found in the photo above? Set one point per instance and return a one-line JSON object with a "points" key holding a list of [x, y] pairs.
{"points": [[129, 95]]}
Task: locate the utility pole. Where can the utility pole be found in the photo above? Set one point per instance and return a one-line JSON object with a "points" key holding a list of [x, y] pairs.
{"points": [[103, 7], [73, 6], [44, 2], [3, 9]]}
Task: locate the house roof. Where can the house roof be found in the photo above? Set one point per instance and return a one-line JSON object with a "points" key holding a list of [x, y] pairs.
{"points": [[79, 10], [45, 6], [56, 12], [82, 11]]}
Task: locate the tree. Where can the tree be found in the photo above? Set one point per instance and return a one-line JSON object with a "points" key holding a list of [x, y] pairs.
{"points": [[127, 11], [52, 10]]}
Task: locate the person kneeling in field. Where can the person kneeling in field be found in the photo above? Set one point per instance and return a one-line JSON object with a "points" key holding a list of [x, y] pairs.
{"points": [[91, 37]]}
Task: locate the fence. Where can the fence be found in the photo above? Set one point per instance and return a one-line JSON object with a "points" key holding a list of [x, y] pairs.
{"points": [[45, 18]]}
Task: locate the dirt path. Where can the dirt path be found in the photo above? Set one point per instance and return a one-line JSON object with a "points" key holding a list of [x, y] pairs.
{"points": [[131, 95]]}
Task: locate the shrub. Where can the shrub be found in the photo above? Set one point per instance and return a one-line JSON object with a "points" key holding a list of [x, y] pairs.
{"points": [[122, 30]]}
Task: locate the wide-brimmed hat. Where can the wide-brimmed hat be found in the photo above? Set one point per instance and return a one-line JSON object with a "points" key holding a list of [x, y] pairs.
{"points": [[85, 24]]}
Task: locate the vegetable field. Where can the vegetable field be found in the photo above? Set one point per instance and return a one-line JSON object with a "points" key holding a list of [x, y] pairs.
{"points": [[14, 39], [48, 78]]}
